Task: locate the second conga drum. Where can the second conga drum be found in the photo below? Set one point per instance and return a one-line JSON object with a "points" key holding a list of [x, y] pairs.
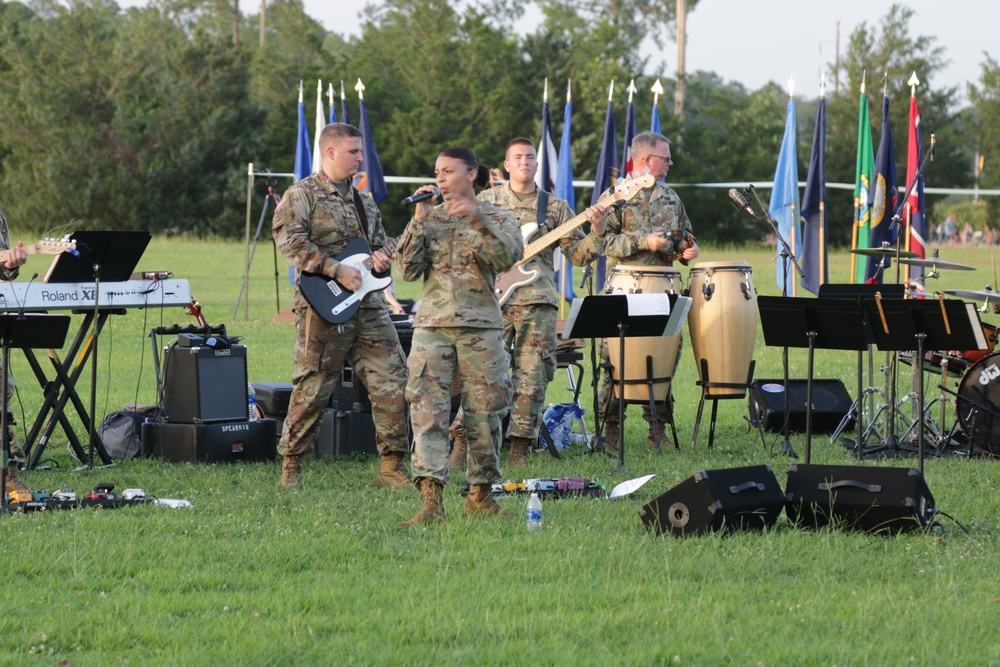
{"points": [[638, 279], [723, 323]]}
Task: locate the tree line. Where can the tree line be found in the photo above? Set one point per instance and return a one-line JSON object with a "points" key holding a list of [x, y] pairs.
{"points": [[146, 118]]}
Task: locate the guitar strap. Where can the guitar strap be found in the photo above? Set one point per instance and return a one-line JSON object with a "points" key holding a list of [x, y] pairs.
{"points": [[359, 206], [543, 207]]}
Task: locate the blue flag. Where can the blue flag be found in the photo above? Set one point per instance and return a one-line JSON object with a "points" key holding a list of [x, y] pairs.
{"points": [[369, 178], [564, 189], [884, 195], [333, 108], [607, 171], [654, 123], [784, 206], [303, 152], [814, 266], [344, 116]]}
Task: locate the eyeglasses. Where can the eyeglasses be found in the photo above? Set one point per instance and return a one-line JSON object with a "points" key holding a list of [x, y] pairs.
{"points": [[665, 158]]}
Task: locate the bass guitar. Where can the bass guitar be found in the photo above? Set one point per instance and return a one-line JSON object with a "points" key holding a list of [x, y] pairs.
{"points": [[516, 276], [45, 247], [332, 301]]}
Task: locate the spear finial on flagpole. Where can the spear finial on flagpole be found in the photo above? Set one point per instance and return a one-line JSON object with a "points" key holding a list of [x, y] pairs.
{"points": [[657, 90], [791, 86], [545, 91], [329, 94], [913, 83], [822, 86], [885, 84], [611, 90], [342, 96], [863, 73], [360, 87], [568, 91], [631, 90], [301, 98]]}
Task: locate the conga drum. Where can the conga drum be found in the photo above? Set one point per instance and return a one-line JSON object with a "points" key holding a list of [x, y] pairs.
{"points": [[723, 324], [639, 279]]}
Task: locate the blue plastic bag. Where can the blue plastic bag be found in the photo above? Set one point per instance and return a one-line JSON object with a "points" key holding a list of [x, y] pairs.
{"points": [[559, 418]]}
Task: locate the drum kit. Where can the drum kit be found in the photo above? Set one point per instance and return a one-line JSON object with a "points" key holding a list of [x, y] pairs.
{"points": [[977, 399]]}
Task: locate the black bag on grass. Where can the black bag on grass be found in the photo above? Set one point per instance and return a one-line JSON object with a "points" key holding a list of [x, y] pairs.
{"points": [[120, 433]]}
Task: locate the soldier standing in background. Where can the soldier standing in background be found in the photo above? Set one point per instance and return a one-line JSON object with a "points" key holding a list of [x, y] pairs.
{"points": [[316, 219], [457, 248], [642, 234], [531, 311]]}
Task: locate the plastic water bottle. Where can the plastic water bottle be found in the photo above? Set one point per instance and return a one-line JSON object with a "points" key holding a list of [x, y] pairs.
{"points": [[251, 403], [534, 512]]}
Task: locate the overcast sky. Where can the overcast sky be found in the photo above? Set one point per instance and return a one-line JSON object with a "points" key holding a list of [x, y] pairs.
{"points": [[774, 40]]}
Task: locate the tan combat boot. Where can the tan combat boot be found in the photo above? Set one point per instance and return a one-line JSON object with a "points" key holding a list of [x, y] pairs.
{"points": [[392, 472], [13, 481], [611, 435], [431, 494], [519, 448], [662, 431], [459, 450], [479, 502], [291, 471]]}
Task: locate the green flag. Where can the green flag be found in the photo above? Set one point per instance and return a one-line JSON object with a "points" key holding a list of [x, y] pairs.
{"points": [[862, 183]]}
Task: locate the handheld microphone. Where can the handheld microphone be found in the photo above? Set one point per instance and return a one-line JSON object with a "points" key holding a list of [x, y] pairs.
{"points": [[22, 306], [932, 146], [740, 202], [423, 196], [587, 272]]}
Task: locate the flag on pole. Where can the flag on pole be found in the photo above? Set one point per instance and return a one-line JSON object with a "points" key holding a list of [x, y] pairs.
{"points": [[369, 178], [814, 266], [607, 168], [333, 109], [865, 167], [547, 158], [344, 116], [564, 189], [883, 197], [916, 223], [784, 205], [317, 155], [654, 122], [303, 156], [626, 167]]}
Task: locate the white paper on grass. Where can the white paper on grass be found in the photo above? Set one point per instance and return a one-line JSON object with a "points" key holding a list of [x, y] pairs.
{"points": [[629, 486], [170, 502]]}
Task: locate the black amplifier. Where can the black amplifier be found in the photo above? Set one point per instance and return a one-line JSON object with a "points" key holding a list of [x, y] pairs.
{"points": [[211, 443], [204, 384]]}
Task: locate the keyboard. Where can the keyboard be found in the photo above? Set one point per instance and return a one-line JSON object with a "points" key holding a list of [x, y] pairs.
{"points": [[35, 296]]}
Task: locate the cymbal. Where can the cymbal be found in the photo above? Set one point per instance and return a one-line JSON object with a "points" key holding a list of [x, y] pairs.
{"points": [[884, 251], [983, 295], [935, 263]]}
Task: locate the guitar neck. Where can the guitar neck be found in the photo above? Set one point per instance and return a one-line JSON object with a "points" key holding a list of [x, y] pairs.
{"points": [[28, 250], [389, 247], [543, 242]]}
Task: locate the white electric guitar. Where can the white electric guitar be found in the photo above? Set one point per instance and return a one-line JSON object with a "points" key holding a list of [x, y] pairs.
{"points": [[515, 276]]}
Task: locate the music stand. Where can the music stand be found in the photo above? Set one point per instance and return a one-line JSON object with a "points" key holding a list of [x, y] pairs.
{"points": [[622, 316], [916, 324], [828, 324], [32, 330]]}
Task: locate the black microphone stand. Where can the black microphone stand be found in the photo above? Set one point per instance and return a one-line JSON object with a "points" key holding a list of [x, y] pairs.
{"points": [[789, 257], [270, 197]]}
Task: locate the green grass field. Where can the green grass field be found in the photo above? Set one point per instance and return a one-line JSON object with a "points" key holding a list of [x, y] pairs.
{"points": [[258, 575]]}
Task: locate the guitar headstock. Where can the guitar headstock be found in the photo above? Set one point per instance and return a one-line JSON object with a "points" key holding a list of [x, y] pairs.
{"points": [[56, 246], [630, 187]]}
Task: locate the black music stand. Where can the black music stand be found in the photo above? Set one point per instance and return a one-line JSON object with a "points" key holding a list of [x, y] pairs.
{"points": [[32, 330], [919, 324], [608, 316], [828, 324]]}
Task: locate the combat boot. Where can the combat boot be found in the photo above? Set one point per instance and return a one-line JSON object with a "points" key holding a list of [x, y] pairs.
{"points": [[519, 448], [13, 481], [480, 502], [291, 471], [432, 496], [662, 432], [392, 472], [612, 431], [459, 449]]}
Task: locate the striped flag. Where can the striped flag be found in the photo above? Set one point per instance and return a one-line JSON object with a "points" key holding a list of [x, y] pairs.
{"points": [[547, 158], [916, 223]]}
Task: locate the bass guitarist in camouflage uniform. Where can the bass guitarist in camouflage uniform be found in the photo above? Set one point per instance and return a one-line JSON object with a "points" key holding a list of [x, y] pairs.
{"points": [[457, 248], [531, 309], [316, 219], [643, 234], [16, 257]]}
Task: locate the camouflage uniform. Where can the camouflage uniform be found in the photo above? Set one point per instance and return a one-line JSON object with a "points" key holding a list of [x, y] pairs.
{"points": [[658, 209], [529, 315], [457, 329], [312, 225], [16, 453]]}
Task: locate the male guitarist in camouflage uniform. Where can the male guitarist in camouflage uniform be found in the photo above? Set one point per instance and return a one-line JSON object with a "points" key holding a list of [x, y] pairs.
{"points": [[8, 271], [530, 312], [644, 233], [316, 219]]}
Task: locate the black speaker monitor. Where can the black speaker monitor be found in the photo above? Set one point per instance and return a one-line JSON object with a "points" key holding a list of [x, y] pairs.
{"points": [[865, 498], [747, 498], [205, 385], [830, 402]]}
